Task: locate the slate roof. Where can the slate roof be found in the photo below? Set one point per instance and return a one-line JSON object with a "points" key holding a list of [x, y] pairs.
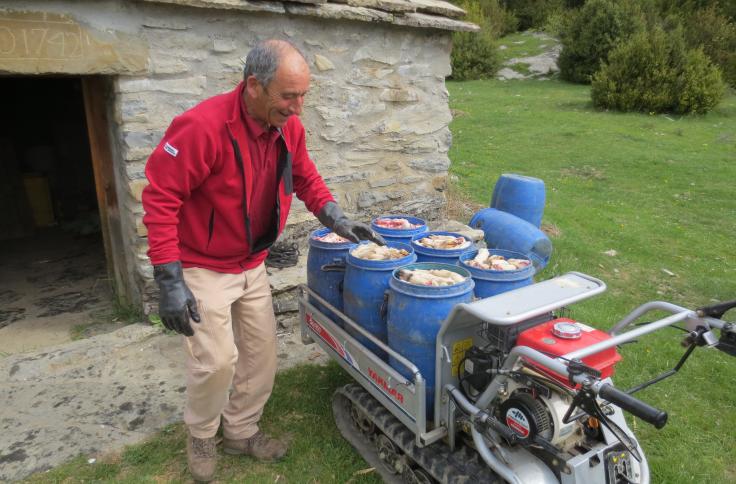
{"points": [[434, 14]]}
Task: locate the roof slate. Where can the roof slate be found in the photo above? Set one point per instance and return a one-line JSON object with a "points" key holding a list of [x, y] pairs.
{"points": [[433, 14]]}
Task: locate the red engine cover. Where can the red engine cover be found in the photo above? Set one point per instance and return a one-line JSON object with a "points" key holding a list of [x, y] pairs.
{"points": [[542, 338]]}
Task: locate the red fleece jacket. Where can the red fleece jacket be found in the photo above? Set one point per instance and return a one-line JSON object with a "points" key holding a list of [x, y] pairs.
{"points": [[198, 197]]}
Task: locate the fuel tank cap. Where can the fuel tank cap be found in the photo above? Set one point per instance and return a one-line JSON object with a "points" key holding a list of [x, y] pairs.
{"points": [[566, 330]]}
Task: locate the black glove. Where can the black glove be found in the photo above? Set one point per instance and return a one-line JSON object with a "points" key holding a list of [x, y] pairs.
{"points": [[176, 302], [332, 217]]}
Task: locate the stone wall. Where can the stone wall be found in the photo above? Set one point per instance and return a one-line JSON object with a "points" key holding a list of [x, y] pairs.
{"points": [[376, 116]]}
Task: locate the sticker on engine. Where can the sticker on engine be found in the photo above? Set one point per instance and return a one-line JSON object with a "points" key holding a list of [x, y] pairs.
{"points": [[458, 353], [517, 421]]}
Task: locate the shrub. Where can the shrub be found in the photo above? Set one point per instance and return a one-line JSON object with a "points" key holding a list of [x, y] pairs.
{"points": [[495, 18], [708, 29], [474, 54], [501, 20], [557, 22], [592, 33], [653, 71], [532, 14]]}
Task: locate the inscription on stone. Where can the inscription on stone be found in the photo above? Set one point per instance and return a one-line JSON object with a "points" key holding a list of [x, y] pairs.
{"points": [[37, 42], [34, 39]]}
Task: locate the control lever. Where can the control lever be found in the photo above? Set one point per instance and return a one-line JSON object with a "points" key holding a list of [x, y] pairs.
{"points": [[585, 399]]}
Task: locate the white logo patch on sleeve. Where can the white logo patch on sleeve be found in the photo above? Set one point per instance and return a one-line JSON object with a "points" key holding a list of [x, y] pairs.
{"points": [[171, 150]]}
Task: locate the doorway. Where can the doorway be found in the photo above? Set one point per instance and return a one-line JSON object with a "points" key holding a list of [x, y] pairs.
{"points": [[54, 283]]}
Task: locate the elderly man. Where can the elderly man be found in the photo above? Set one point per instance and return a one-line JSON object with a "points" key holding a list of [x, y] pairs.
{"points": [[220, 188]]}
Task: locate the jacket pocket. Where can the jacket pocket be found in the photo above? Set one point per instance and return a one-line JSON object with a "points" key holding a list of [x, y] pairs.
{"points": [[211, 228]]}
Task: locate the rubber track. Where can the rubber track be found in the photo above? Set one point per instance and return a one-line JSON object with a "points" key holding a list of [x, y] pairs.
{"points": [[463, 466]]}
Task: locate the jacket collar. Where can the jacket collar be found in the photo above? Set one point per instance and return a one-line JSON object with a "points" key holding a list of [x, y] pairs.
{"points": [[236, 97]]}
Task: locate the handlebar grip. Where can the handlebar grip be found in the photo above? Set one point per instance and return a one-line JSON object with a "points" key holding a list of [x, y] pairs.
{"points": [[644, 411]]}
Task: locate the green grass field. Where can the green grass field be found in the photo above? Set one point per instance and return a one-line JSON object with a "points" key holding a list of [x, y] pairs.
{"points": [[522, 44], [656, 189], [659, 190]]}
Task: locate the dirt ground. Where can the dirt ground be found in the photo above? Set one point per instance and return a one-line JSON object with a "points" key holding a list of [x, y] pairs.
{"points": [[53, 288], [75, 370]]}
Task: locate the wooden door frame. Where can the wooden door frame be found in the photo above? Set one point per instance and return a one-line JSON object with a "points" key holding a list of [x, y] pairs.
{"points": [[94, 90]]}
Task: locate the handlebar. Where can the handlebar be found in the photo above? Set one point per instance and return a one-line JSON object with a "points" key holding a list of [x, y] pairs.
{"points": [[633, 405], [716, 310]]}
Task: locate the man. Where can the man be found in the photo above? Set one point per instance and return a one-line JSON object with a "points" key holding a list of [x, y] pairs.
{"points": [[220, 188]]}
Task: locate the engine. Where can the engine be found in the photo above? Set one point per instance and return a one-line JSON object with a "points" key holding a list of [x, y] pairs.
{"points": [[530, 411], [534, 400]]}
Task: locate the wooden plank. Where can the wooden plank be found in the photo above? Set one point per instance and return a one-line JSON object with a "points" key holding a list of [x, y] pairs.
{"points": [[95, 107]]}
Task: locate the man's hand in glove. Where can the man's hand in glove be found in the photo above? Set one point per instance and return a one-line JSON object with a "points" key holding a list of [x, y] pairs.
{"points": [[176, 302], [332, 217]]}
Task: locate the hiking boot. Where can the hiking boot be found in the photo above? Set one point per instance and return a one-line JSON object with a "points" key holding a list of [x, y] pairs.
{"points": [[202, 458], [260, 446]]}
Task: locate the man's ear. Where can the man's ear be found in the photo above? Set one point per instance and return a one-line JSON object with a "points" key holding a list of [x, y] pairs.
{"points": [[253, 87]]}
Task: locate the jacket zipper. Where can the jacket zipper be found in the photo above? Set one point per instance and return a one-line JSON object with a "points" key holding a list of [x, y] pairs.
{"points": [[241, 167], [284, 165], [211, 227]]}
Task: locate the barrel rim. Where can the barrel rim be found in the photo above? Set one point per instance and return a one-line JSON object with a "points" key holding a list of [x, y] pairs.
{"points": [[400, 232], [432, 291], [380, 265], [327, 245], [494, 275], [450, 253], [520, 176]]}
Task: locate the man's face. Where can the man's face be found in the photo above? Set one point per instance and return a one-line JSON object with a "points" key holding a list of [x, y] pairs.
{"points": [[283, 96]]}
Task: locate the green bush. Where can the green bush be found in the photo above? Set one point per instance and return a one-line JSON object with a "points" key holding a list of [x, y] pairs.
{"points": [[500, 19], [653, 71], [592, 32], [491, 15], [557, 22], [716, 35], [532, 14], [474, 54]]}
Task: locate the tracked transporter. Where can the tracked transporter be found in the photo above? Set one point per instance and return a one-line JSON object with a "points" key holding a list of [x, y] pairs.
{"points": [[452, 387]]}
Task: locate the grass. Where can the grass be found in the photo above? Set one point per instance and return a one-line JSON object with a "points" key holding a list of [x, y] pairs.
{"points": [[522, 44], [656, 189]]}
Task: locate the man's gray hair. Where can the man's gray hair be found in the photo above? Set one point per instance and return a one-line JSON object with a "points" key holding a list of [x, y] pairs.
{"points": [[263, 60]]}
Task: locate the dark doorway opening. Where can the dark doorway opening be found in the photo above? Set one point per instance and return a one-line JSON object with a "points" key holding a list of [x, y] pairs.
{"points": [[53, 275]]}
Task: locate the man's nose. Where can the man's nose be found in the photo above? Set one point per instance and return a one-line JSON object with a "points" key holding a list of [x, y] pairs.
{"points": [[297, 105]]}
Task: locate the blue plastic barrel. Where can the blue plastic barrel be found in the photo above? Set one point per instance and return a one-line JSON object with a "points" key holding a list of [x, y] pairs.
{"points": [[447, 256], [505, 231], [489, 282], [365, 286], [397, 235], [415, 315], [325, 271], [520, 195]]}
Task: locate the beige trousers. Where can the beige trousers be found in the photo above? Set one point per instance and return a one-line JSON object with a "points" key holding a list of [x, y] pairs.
{"points": [[233, 345]]}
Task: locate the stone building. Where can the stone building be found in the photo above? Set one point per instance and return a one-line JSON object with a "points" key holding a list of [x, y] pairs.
{"points": [[377, 114]]}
